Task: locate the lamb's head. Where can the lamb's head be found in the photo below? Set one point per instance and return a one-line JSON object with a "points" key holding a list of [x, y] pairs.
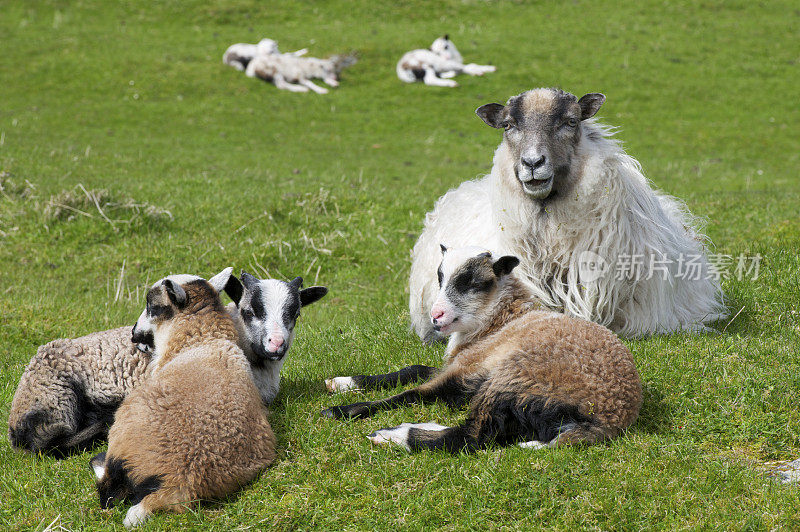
{"points": [[267, 47], [470, 280], [445, 48], [269, 310], [175, 296], [543, 130]]}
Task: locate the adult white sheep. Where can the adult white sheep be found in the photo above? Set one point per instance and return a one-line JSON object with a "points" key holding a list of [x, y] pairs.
{"points": [[562, 192]]}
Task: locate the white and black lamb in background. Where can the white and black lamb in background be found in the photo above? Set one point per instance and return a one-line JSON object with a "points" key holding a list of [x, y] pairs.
{"points": [[240, 54], [437, 64], [565, 198], [294, 74]]}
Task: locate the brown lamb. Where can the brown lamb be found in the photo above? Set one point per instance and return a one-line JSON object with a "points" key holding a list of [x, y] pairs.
{"points": [[196, 428]]}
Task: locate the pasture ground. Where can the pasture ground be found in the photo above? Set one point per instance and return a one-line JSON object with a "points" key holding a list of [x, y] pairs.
{"points": [[196, 167]]}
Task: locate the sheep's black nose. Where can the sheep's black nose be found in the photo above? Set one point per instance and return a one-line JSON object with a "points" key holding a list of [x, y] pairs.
{"points": [[533, 163]]}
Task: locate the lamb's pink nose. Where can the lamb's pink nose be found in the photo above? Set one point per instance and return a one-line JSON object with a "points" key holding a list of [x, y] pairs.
{"points": [[437, 314], [276, 342]]}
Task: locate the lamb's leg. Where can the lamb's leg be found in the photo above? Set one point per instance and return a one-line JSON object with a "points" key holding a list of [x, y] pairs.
{"points": [[448, 387], [585, 433], [281, 83], [477, 70], [313, 86], [448, 74], [171, 500], [431, 78], [388, 380], [300, 52], [332, 81]]}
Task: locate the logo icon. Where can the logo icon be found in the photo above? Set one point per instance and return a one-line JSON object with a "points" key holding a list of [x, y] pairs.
{"points": [[591, 266]]}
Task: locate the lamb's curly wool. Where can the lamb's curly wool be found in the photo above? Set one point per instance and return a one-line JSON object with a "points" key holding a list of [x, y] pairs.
{"points": [[69, 391], [607, 208], [196, 428]]}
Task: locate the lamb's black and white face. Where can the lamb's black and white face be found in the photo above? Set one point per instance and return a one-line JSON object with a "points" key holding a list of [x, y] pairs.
{"points": [[269, 310], [542, 131], [170, 296], [468, 282], [445, 48]]}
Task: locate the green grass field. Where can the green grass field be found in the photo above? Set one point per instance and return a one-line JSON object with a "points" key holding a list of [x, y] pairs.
{"points": [[133, 99]]}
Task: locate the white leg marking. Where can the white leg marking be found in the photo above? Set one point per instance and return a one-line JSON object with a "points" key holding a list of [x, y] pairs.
{"points": [[136, 516], [313, 86], [448, 74], [99, 470], [340, 384], [432, 79], [399, 434], [533, 445]]}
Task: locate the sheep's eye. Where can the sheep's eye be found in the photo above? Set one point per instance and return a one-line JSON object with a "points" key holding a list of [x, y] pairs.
{"points": [[572, 122], [508, 125]]}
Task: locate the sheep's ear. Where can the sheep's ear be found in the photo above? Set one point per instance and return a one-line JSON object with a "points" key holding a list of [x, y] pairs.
{"points": [[176, 293], [312, 295], [443, 248], [221, 279], [492, 114], [234, 289], [248, 280], [504, 265], [590, 104], [297, 282]]}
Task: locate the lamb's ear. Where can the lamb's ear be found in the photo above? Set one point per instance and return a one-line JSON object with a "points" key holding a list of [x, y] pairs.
{"points": [[176, 293], [492, 114], [98, 465], [234, 289], [312, 295], [248, 280], [221, 279], [590, 104], [504, 265], [443, 248], [446, 37], [297, 282]]}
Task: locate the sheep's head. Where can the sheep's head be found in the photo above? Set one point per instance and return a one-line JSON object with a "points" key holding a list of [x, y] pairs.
{"points": [[267, 47], [174, 296], [542, 132], [469, 279], [269, 310], [445, 48]]}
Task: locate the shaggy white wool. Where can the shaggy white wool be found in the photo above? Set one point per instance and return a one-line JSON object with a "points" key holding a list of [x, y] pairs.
{"points": [[614, 212]]}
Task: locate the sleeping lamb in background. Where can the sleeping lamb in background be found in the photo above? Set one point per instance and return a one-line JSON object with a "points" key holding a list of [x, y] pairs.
{"points": [[71, 388], [595, 240], [295, 73], [239, 55], [441, 61]]}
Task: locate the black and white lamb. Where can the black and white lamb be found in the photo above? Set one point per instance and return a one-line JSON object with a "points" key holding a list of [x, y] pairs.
{"points": [[294, 74], [436, 65]]}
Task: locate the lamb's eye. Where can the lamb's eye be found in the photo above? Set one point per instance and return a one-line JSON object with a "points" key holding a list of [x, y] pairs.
{"points": [[247, 314]]}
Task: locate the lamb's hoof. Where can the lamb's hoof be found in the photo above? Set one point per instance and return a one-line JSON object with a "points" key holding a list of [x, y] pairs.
{"points": [[328, 412], [340, 384], [135, 516]]}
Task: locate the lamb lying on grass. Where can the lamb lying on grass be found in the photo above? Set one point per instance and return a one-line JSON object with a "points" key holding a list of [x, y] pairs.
{"points": [[432, 66], [239, 55], [295, 73], [530, 377], [196, 428], [69, 392]]}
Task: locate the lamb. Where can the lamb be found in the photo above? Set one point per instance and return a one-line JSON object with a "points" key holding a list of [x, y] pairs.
{"points": [[295, 73], [266, 314], [69, 392], [531, 377], [435, 65], [239, 55], [595, 240], [196, 428]]}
